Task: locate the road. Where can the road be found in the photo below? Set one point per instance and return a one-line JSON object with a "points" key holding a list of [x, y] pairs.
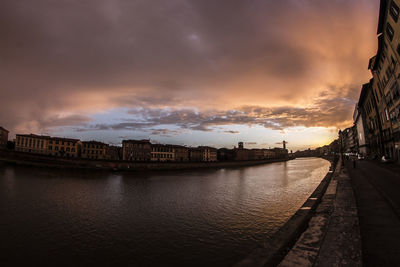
{"points": [[377, 192]]}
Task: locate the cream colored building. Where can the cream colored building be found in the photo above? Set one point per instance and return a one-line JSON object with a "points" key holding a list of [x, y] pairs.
{"points": [[32, 143], [42, 144]]}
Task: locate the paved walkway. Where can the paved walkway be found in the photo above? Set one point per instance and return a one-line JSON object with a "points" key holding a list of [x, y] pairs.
{"points": [[377, 192], [332, 237]]}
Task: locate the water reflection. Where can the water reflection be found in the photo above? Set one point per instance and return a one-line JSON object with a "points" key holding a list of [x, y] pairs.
{"points": [[207, 217]]}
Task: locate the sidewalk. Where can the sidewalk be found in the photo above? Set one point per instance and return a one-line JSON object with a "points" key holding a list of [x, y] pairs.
{"points": [[377, 187], [333, 235]]}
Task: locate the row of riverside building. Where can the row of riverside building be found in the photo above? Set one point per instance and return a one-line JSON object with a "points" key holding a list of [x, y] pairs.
{"points": [[376, 129], [134, 150]]}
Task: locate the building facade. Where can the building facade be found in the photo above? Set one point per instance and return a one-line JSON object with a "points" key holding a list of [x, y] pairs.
{"points": [[386, 72], [3, 138], [114, 152], [359, 126], [181, 153], [136, 150], [94, 150], [162, 152], [41, 144], [195, 154], [32, 143], [64, 147], [208, 153]]}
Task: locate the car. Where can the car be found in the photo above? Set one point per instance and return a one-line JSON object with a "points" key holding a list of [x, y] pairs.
{"points": [[360, 157], [386, 159]]}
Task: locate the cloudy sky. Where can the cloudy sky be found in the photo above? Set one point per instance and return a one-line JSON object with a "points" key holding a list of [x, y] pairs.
{"points": [[185, 71]]}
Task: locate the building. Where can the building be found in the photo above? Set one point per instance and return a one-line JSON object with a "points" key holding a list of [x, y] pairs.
{"points": [[181, 153], [269, 154], [162, 152], [3, 138], [359, 118], [136, 150], [42, 144], [94, 150], [385, 86], [257, 154], [114, 152], [280, 153], [208, 153], [32, 143], [195, 154], [349, 141], [368, 109], [225, 154], [64, 147], [240, 145]]}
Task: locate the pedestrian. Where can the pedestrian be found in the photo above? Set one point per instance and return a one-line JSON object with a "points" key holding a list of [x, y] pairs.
{"points": [[354, 163]]}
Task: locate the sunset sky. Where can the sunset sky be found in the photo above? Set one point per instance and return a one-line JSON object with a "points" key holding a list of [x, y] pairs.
{"points": [[192, 72]]}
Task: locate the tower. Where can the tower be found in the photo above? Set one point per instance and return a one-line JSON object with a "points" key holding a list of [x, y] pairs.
{"points": [[240, 144], [284, 144]]}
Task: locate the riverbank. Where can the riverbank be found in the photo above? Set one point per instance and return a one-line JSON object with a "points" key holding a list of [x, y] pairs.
{"points": [[29, 159], [332, 237], [275, 249]]}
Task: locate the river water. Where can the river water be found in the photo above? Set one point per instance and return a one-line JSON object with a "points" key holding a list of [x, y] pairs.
{"points": [[175, 218]]}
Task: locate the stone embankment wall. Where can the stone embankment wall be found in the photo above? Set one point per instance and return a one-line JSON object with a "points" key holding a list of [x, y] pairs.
{"points": [[49, 161]]}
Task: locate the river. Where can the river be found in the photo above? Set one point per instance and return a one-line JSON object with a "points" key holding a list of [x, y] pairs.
{"points": [[175, 218]]}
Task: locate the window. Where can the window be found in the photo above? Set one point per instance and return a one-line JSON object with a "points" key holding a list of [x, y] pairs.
{"points": [[56, 148], [394, 11], [389, 31]]}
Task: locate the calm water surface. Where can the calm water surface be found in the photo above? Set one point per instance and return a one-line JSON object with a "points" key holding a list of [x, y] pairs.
{"points": [[185, 218]]}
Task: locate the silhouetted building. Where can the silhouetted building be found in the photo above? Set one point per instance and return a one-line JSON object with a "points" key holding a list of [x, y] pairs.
{"points": [[209, 153], [257, 154], [114, 152], [225, 154], [3, 138], [242, 154], [181, 153], [240, 145], [195, 154]]}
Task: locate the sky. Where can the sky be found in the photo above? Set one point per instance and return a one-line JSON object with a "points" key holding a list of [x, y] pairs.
{"points": [[190, 72]]}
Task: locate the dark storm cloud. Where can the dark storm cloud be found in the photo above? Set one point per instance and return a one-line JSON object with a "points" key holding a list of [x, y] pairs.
{"points": [[76, 57]]}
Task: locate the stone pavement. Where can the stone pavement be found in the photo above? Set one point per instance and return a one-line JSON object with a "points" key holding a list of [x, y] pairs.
{"points": [[333, 234], [377, 187]]}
